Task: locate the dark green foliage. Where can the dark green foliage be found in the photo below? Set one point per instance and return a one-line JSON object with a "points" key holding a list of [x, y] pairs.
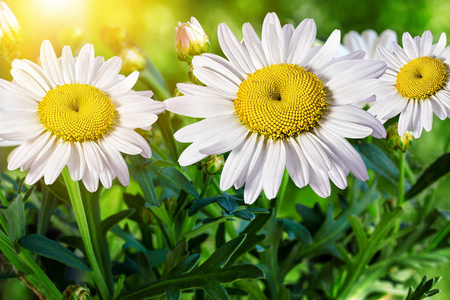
{"points": [[41, 245], [435, 171], [209, 276]]}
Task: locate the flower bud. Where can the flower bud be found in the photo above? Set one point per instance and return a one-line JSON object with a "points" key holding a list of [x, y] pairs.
{"points": [[72, 36], [190, 40], [132, 60], [398, 142], [115, 38], [77, 292], [11, 36], [213, 164]]}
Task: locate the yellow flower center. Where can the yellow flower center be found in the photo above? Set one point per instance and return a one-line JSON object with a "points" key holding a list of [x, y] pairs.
{"points": [[280, 101], [77, 112], [421, 78]]}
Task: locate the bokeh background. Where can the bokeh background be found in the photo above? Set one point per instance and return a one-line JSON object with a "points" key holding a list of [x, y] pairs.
{"points": [[151, 23]]}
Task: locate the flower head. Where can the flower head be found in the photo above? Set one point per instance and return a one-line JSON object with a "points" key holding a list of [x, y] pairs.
{"points": [[275, 103], [77, 112], [11, 36], [415, 84], [190, 40]]}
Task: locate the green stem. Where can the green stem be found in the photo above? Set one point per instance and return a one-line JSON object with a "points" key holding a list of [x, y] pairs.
{"points": [[208, 181], [400, 186], [282, 190], [99, 243], [77, 204], [50, 286], [438, 238]]}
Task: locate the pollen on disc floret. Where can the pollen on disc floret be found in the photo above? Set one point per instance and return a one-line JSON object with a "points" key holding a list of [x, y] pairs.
{"points": [[77, 112], [280, 101], [421, 78]]}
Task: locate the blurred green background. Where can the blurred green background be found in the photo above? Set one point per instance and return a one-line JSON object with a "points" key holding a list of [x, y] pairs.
{"points": [[151, 24]]}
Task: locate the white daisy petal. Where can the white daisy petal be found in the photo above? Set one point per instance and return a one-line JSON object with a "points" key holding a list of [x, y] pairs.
{"points": [[124, 85], [272, 39], [327, 52], [273, 167], [344, 152], [254, 181], [107, 72], [199, 107], [254, 46], [68, 64], [236, 162], [233, 50], [296, 163], [50, 63], [76, 163], [57, 161], [301, 41]]}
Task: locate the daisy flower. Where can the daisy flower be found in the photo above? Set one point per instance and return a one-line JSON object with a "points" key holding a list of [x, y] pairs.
{"points": [[77, 112], [415, 84], [275, 103]]}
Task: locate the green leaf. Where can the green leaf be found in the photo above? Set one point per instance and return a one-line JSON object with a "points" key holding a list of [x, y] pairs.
{"points": [[244, 214], [180, 180], [333, 229], [128, 238], [296, 230], [15, 216], [378, 161], [161, 213], [209, 276], [361, 237], [186, 265], [230, 204], [435, 171], [113, 220], [41, 245]]}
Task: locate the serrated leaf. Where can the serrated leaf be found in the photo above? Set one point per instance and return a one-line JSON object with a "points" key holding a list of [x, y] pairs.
{"points": [[296, 230], [113, 220], [186, 265], [15, 216], [180, 180], [209, 276], [435, 171], [41, 245], [423, 290]]}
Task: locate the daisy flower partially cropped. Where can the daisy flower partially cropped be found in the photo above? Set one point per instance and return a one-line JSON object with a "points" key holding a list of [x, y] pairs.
{"points": [[368, 41], [416, 83], [76, 112], [276, 103]]}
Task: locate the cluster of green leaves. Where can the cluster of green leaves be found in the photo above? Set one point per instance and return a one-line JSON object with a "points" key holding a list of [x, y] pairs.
{"points": [[181, 237]]}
